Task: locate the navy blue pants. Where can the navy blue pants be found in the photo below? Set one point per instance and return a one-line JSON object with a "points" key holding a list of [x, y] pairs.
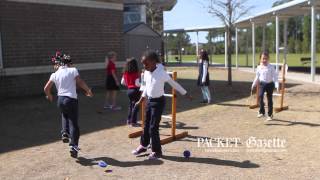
{"points": [[266, 87], [154, 110], [134, 96], [69, 116]]}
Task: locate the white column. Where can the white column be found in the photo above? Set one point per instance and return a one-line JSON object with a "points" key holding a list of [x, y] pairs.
{"points": [[277, 44], [236, 47], [253, 47], [313, 43], [1, 60], [225, 49], [285, 41], [197, 45]]}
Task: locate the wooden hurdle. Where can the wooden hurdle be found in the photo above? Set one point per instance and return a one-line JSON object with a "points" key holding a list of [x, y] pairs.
{"points": [[174, 136], [281, 92]]}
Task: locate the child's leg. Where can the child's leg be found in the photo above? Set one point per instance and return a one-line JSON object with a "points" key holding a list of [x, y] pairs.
{"points": [[156, 112], [135, 110], [131, 105], [207, 93], [261, 95], [114, 97], [269, 90], [203, 93], [64, 117], [72, 105], [145, 137], [107, 99]]}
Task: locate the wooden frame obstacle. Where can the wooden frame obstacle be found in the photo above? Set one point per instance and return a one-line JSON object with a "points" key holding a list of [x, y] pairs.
{"points": [[174, 136], [281, 92]]}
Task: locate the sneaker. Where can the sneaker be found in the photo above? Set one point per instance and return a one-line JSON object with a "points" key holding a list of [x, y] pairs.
{"points": [[140, 149], [107, 106], [115, 108], [269, 118], [74, 151], [135, 125], [154, 155], [204, 102], [260, 115], [65, 137]]}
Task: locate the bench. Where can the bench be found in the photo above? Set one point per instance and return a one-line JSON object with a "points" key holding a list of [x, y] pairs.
{"points": [[305, 60]]}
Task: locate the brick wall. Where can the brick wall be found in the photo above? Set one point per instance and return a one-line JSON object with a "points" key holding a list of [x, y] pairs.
{"points": [[31, 33]]}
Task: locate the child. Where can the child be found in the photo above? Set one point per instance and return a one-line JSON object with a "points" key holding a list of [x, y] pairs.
{"points": [[131, 78], [154, 78], [65, 79], [267, 78], [203, 78], [112, 83]]}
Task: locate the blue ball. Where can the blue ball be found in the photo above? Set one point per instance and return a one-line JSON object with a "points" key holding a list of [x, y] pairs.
{"points": [[102, 164], [186, 154]]}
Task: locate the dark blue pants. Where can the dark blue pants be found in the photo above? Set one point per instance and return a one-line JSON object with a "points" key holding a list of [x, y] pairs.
{"points": [[69, 113], [266, 87], [154, 110], [134, 96]]}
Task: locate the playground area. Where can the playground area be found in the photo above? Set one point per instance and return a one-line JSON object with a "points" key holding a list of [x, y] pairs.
{"points": [[30, 145]]}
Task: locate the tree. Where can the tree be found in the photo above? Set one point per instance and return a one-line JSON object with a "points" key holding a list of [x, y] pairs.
{"points": [[228, 11], [154, 14], [306, 34]]}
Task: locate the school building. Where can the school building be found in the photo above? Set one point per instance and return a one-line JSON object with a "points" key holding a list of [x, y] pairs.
{"points": [[32, 30]]}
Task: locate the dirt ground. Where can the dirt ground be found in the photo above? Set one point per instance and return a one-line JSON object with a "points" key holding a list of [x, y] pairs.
{"points": [[30, 146]]}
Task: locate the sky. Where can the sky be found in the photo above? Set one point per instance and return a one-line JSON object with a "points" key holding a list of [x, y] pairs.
{"points": [[192, 13]]}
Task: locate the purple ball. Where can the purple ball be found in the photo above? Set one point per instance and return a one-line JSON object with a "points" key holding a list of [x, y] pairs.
{"points": [[186, 154], [102, 164]]}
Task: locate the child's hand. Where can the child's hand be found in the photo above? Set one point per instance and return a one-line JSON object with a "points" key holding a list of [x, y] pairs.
{"points": [[188, 96], [89, 93], [49, 97]]}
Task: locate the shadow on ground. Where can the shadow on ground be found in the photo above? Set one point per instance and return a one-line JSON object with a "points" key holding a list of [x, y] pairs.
{"points": [[32, 121]]}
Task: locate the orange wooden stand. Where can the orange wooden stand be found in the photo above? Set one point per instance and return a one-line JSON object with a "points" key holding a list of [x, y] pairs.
{"points": [[173, 135]]}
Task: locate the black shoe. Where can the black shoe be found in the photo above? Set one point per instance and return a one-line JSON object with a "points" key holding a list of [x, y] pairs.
{"points": [[74, 151], [65, 137], [204, 102]]}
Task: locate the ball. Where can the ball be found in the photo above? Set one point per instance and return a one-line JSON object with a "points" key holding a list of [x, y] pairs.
{"points": [[186, 154], [102, 164]]}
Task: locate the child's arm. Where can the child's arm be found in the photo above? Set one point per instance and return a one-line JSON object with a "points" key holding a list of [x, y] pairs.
{"points": [[47, 90], [115, 77], [275, 78], [205, 71], [256, 79], [84, 86], [137, 82], [177, 87], [123, 82]]}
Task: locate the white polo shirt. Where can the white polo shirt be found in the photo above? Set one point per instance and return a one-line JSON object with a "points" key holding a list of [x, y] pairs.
{"points": [[65, 81], [266, 74], [154, 83]]}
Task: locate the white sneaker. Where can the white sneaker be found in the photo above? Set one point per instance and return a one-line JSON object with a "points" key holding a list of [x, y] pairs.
{"points": [[260, 115], [269, 118]]}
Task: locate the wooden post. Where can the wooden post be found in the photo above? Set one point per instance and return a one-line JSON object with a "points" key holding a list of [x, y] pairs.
{"points": [[173, 107]]}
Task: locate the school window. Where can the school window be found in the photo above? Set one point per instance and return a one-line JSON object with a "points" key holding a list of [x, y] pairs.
{"points": [[1, 59]]}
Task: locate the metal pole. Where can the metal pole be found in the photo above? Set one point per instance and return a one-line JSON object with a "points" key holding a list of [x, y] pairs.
{"points": [[225, 49], [277, 44], [236, 47], [285, 41], [197, 46], [253, 47], [313, 42]]}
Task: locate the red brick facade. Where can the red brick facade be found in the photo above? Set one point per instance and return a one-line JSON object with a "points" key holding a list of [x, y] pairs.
{"points": [[31, 32]]}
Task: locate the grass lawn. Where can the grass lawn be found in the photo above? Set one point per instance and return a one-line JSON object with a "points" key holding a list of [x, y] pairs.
{"points": [[292, 59]]}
